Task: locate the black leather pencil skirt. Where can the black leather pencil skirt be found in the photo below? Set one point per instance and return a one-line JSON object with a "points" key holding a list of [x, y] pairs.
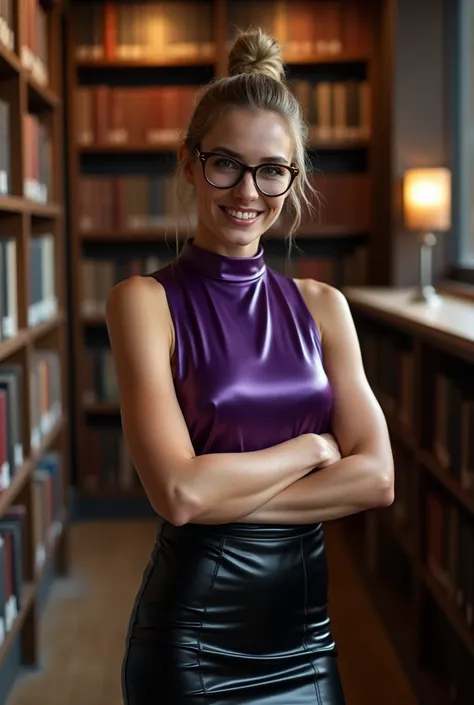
{"points": [[234, 614]]}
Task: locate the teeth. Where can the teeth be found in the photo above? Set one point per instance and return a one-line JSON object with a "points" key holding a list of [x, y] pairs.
{"points": [[242, 215]]}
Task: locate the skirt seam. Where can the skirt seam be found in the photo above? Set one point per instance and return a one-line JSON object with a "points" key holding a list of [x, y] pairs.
{"points": [[206, 601], [133, 618], [305, 619]]}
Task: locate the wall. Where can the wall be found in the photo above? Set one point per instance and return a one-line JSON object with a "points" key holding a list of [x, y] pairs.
{"points": [[421, 116]]}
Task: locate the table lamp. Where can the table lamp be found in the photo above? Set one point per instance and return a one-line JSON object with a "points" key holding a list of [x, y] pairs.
{"points": [[427, 210]]}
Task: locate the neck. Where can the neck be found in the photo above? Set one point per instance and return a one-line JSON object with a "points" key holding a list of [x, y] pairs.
{"points": [[221, 246], [213, 264]]}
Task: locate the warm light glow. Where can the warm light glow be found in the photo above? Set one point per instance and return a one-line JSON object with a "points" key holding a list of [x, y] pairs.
{"points": [[427, 199]]}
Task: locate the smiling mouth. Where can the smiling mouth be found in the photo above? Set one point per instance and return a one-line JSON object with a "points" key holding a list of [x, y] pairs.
{"points": [[246, 217]]}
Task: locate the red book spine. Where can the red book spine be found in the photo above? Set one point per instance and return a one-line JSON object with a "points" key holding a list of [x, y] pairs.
{"points": [[110, 30]]}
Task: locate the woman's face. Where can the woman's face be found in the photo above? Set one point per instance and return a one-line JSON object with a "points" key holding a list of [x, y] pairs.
{"points": [[253, 138]]}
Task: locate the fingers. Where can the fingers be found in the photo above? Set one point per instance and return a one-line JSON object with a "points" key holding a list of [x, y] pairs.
{"points": [[329, 450]]}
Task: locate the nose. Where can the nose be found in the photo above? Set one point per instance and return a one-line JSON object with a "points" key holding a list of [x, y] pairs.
{"points": [[246, 189]]}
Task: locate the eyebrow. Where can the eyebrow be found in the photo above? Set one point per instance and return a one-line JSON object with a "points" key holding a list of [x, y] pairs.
{"points": [[236, 155]]}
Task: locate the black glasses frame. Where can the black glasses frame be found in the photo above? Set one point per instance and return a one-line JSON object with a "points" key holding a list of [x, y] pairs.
{"points": [[204, 156]]}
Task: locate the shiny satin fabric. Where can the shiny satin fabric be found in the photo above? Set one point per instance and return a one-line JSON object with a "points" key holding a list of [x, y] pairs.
{"points": [[233, 614], [249, 371]]}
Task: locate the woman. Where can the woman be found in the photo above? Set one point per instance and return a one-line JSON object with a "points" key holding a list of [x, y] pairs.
{"points": [[227, 410]]}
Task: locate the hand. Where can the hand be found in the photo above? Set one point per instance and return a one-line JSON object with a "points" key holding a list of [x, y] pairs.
{"points": [[332, 451]]}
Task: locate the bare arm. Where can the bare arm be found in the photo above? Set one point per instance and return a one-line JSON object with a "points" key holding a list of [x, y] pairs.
{"points": [[180, 485], [363, 478]]}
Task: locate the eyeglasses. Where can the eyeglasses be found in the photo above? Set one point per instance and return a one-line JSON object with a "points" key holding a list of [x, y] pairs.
{"points": [[223, 172]]}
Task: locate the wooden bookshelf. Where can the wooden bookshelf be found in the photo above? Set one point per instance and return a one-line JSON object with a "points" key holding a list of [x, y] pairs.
{"points": [[167, 145], [122, 137], [34, 429], [420, 364]]}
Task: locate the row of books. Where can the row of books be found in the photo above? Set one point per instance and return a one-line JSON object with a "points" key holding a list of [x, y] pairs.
{"points": [[453, 428], [45, 408], [98, 276], [42, 300], [100, 380], [46, 394], [109, 466], [335, 109], [184, 29], [35, 45], [450, 550], [48, 502], [306, 28], [342, 269], [448, 532], [153, 30], [139, 116], [343, 202], [390, 369], [136, 203], [159, 116], [391, 373], [38, 159], [405, 507], [8, 288], [11, 431], [129, 203], [7, 35], [14, 539]]}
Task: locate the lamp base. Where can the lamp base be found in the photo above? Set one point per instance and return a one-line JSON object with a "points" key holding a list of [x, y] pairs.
{"points": [[426, 294]]}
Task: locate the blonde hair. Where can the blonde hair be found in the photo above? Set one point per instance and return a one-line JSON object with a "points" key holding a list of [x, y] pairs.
{"points": [[256, 81]]}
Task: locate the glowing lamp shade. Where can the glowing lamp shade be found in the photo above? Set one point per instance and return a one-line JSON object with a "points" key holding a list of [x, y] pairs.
{"points": [[427, 199]]}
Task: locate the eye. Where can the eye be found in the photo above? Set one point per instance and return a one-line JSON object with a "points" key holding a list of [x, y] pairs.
{"points": [[273, 171], [224, 163]]}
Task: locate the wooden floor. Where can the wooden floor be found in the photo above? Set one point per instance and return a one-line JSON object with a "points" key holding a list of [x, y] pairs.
{"points": [[84, 625]]}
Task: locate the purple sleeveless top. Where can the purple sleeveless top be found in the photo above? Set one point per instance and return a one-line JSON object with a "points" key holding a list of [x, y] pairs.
{"points": [[249, 371]]}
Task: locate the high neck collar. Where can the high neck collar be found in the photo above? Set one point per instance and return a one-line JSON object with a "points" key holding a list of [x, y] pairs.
{"points": [[223, 267]]}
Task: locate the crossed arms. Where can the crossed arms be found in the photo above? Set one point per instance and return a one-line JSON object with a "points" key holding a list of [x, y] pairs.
{"points": [[274, 485]]}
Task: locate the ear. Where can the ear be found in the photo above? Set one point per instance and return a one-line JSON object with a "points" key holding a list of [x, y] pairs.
{"points": [[189, 173], [183, 154]]}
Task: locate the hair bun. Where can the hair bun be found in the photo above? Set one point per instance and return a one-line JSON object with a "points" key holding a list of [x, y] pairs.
{"points": [[256, 52]]}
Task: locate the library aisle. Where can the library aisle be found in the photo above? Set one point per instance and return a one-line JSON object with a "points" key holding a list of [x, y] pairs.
{"points": [[84, 623]]}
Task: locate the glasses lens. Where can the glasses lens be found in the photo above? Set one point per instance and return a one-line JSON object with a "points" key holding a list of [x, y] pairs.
{"points": [[273, 180], [223, 172]]}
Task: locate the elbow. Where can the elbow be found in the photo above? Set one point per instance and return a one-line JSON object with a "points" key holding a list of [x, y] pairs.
{"points": [[385, 489], [379, 476], [173, 493], [386, 497], [179, 506], [170, 494]]}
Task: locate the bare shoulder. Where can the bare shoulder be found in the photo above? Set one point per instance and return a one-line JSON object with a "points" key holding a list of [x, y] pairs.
{"points": [[132, 293], [136, 306], [328, 306]]}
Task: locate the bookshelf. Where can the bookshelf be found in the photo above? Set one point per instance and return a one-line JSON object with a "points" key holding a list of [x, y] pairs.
{"points": [[133, 72], [34, 436], [418, 555]]}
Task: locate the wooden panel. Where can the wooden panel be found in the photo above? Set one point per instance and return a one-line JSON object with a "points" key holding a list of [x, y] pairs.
{"points": [[21, 219]]}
